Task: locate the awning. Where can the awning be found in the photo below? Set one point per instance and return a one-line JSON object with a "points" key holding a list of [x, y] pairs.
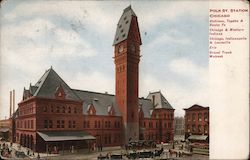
{"points": [[197, 137], [4, 129], [65, 136]]}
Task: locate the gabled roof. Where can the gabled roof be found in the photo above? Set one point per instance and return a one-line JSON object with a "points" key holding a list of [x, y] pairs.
{"points": [[101, 102], [196, 107], [47, 85], [123, 25], [159, 100]]}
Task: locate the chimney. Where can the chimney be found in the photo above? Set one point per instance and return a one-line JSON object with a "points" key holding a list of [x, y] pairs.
{"points": [[10, 102], [13, 101]]}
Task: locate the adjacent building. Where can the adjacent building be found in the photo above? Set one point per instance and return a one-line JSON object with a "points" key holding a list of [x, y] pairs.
{"points": [[197, 123], [53, 116], [179, 126]]}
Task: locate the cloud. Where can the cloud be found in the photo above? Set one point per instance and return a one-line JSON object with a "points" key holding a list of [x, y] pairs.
{"points": [[154, 13], [166, 39], [185, 67], [99, 82], [88, 13]]}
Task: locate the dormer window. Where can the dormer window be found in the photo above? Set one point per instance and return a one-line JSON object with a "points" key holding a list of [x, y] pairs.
{"points": [[91, 109], [111, 110], [59, 93]]}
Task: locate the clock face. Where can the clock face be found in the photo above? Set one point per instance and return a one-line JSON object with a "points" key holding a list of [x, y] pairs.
{"points": [[120, 49]]}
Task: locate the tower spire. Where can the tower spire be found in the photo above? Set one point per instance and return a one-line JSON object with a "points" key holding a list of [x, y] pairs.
{"points": [[127, 56]]}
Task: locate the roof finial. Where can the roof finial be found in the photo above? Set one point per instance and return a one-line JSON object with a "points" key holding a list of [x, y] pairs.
{"points": [[51, 67]]}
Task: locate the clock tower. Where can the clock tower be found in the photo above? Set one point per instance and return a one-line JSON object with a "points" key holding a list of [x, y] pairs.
{"points": [[126, 44]]}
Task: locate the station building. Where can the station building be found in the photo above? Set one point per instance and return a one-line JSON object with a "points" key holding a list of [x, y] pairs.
{"points": [[53, 116]]}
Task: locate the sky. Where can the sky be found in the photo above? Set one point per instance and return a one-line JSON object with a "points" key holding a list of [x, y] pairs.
{"points": [[75, 38]]}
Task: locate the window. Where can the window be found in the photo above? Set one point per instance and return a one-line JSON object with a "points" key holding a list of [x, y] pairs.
{"points": [[57, 109], [70, 125], [193, 128], [69, 111], [164, 115], [188, 117], [84, 124], [106, 124], [105, 139], [74, 124], [165, 125], [169, 125], [193, 116], [144, 124], [206, 129], [205, 116], [109, 138], [51, 109], [199, 128], [95, 124], [88, 124], [99, 124], [45, 109], [188, 128], [62, 124], [75, 111], [58, 124], [50, 124], [63, 109], [199, 116], [156, 124], [45, 123]]}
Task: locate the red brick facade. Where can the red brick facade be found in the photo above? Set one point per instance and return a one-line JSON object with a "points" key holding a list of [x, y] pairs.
{"points": [[127, 57], [196, 120]]}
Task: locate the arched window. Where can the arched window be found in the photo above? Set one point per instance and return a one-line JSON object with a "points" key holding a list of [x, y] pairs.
{"points": [[69, 110]]}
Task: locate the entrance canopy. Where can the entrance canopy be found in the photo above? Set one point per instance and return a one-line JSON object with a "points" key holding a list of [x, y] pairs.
{"points": [[65, 136], [197, 137]]}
